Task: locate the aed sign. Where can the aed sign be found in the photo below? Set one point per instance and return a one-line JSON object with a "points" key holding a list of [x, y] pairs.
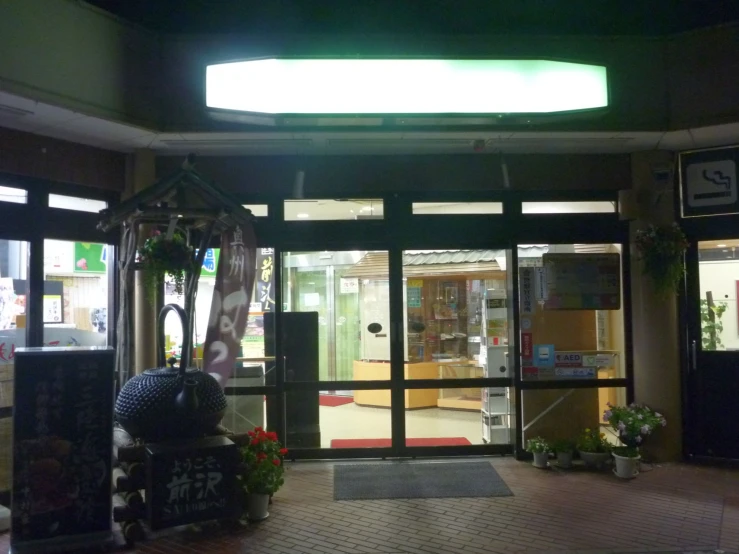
{"points": [[568, 359]]}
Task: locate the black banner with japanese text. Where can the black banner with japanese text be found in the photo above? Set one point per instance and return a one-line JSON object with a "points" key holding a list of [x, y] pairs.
{"points": [[62, 445], [231, 300], [265, 278]]}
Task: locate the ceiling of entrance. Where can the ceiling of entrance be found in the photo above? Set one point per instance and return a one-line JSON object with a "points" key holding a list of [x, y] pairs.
{"points": [[43, 119]]}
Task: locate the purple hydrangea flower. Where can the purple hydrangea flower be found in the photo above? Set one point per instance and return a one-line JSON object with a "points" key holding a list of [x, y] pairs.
{"points": [[621, 426], [638, 440], [607, 415], [646, 429]]}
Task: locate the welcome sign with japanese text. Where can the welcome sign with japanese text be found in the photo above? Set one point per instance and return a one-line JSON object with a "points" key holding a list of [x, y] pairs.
{"points": [[191, 482]]}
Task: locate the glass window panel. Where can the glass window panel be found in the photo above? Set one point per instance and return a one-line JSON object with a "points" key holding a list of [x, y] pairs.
{"points": [[245, 411], [564, 414], [718, 269], [459, 416], [76, 310], [338, 419], [76, 203], [457, 208], [457, 314], [568, 207], [255, 363], [343, 302], [571, 306], [10, 194], [333, 210], [258, 210], [13, 295]]}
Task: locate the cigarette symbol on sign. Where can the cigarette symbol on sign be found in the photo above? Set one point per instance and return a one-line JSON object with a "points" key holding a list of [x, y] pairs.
{"points": [[719, 179], [711, 183]]}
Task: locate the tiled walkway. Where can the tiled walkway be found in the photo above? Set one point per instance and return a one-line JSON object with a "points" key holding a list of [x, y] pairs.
{"points": [[670, 508]]}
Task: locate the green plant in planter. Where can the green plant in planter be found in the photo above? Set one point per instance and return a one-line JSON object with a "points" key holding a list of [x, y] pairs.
{"points": [[711, 324], [537, 445], [262, 459], [593, 441], [661, 249], [563, 446], [633, 423], [160, 256]]}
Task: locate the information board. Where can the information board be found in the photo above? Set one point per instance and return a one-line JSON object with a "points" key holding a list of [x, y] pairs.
{"points": [[191, 482], [582, 281], [62, 446]]}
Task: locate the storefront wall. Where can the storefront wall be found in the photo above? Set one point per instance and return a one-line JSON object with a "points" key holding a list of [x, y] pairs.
{"points": [[411, 372], [57, 273]]}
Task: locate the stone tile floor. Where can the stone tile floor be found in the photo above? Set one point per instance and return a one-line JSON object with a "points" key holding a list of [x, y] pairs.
{"points": [[668, 508]]}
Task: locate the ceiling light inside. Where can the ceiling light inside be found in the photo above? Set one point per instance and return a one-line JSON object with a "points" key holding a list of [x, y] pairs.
{"points": [[303, 216]]}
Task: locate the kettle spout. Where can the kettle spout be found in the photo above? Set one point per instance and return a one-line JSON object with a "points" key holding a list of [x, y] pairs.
{"points": [[187, 401]]}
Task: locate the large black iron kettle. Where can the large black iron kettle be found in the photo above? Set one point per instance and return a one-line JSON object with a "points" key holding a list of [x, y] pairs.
{"points": [[168, 402]]}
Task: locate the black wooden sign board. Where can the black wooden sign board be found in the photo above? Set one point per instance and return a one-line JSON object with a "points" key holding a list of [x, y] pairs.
{"points": [[192, 481], [708, 182], [62, 447]]}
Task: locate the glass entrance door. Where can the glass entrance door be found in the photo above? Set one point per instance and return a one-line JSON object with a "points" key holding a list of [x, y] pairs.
{"points": [[432, 373], [316, 283], [713, 349], [336, 350]]}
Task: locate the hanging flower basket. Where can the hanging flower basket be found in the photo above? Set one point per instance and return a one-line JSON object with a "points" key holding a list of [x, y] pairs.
{"points": [[161, 256], [662, 250]]}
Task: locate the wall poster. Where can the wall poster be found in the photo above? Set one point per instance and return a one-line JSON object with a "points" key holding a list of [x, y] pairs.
{"points": [[583, 281]]}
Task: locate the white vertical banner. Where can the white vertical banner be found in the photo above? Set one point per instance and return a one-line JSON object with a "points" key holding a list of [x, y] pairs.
{"points": [[540, 284], [527, 290]]}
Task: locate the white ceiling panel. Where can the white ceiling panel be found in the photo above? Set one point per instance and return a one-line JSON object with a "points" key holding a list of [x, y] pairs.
{"points": [[43, 119]]}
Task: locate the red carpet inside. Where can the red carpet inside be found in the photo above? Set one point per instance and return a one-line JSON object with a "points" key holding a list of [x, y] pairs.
{"points": [[332, 400], [386, 443]]}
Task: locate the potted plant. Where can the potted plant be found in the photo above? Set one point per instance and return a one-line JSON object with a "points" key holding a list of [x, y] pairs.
{"points": [[661, 249], [262, 472], [539, 447], [563, 449], [711, 325], [160, 256], [633, 424], [593, 448]]}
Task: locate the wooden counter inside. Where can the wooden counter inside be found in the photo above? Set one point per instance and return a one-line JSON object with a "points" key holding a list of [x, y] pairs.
{"points": [[380, 371]]}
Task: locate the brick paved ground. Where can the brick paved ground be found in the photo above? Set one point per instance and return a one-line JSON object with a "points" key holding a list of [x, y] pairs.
{"points": [[672, 508]]}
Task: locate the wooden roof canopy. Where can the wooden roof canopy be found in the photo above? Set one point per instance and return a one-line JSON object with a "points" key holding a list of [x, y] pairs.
{"points": [[184, 197]]}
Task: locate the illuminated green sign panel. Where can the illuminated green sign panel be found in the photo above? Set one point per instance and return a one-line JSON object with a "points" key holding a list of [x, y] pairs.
{"points": [[341, 87]]}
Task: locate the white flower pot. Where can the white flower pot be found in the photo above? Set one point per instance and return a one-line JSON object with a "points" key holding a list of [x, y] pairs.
{"points": [[541, 460], [595, 459], [626, 468], [564, 460], [257, 506]]}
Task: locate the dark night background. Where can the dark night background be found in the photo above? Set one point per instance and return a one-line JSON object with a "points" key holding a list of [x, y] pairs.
{"points": [[460, 17]]}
